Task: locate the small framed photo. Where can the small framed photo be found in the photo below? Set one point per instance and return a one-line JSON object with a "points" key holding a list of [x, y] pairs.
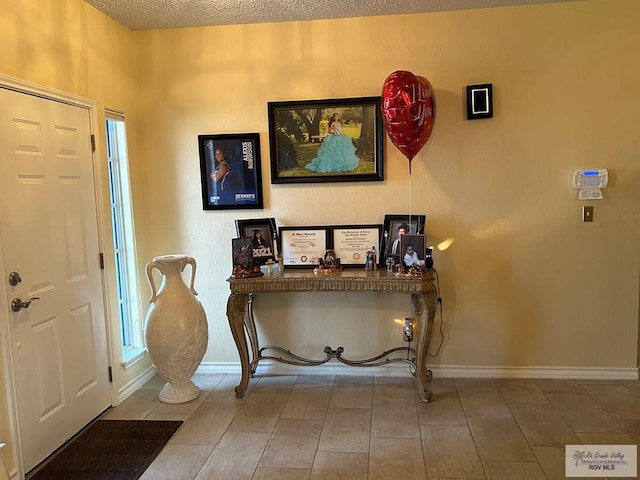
{"points": [[302, 247], [479, 101], [352, 242], [334, 140], [242, 253], [397, 225], [413, 251], [262, 232], [230, 171]]}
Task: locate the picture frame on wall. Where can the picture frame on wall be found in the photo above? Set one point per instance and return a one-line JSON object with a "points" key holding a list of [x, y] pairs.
{"points": [[332, 140], [302, 247], [394, 224], [230, 171], [352, 242]]}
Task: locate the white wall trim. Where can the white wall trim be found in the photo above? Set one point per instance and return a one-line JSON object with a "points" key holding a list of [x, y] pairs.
{"points": [[127, 390], [456, 371], [30, 88]]}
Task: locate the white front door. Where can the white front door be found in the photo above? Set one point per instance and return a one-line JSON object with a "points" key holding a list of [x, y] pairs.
{"points": [[49, 238]]}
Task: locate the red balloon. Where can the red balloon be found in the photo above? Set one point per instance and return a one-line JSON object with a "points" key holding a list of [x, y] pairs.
{"points": [[408, 111]]}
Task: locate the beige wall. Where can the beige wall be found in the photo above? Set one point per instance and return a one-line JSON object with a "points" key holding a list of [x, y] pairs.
{"points": [[525, 283]]}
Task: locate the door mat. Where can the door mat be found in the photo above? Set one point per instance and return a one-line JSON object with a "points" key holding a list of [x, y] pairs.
{"points": [[109, 450]]}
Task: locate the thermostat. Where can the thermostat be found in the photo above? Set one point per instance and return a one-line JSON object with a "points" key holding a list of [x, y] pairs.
{"points": [[590, 182]]}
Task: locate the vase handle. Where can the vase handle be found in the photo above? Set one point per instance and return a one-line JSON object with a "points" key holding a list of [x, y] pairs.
{"points": [[191, 261], [149, 268]]}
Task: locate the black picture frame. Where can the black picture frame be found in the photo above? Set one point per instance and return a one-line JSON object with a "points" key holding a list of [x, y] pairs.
{"points": [[479, 101], [302, 247], [298, 130], [352, 242], [241, 252], [418, 244], [263, 234], [391, 224], [241, 187]]}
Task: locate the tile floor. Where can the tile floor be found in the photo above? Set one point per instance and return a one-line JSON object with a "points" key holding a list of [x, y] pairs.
{"points": [[314, 427]]}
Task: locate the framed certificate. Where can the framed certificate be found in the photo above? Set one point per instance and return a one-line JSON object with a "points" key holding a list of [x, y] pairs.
{"points": [[302, 247], [352, 242]]}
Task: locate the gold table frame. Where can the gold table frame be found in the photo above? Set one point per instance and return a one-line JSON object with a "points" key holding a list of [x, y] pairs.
{"points": [[242, 323]]}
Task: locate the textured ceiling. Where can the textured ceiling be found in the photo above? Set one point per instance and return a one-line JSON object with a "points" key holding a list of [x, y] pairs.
{"points": [[153, 14]]}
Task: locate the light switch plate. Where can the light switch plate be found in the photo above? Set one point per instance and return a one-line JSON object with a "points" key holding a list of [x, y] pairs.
{"points": [[587, 214]]}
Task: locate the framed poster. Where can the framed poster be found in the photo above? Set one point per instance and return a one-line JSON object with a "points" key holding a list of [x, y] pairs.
{"points": [[334, 140], [262, 232], [352, 242], [302, 246], [230, 171]]}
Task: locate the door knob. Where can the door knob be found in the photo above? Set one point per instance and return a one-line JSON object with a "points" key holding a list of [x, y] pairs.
{"points": [[14, 278], [17, 304]]}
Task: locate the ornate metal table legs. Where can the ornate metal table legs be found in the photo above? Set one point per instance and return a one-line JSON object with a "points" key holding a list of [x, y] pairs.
{"points": [[242, 323], [236, 311], [423, 374]]}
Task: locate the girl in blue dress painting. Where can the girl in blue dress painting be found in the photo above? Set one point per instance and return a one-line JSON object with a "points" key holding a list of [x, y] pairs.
{"points": [[337, 153]]}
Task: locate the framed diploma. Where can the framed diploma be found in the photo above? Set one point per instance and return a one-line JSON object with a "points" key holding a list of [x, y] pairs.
{"points": [[302, 246], [352, 243]]}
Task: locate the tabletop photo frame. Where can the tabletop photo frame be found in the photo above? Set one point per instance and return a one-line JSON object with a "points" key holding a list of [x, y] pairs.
{"points": [[262, 232], [332, 140], [413, 250], [393, 224]]}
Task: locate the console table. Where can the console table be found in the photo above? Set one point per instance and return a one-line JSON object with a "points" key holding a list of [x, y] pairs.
{"points": [[243, 327]]}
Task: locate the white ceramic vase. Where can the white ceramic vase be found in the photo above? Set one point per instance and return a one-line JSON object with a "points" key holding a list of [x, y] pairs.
{"points": [[176, 330], [4, 475]]}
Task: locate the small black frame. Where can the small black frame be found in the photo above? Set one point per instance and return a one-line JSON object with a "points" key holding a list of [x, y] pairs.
{"points": [[298, 130], [417, 243], [241, 252], [263, 234], [241, 186], [479, 101], [392, 223]]}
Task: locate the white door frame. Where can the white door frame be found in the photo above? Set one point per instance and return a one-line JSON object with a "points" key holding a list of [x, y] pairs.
{"points": [[23, 86]]}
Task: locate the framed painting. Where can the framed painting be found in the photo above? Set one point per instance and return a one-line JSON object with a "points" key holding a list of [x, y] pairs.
{"points": [[352, 242], [302, 247], [230, 171], [334, 140], [262, 232], [398, 225]]}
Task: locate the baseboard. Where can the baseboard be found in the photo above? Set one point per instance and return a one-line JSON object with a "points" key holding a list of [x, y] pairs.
{"points": [[455, 371], [134, 385]]}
